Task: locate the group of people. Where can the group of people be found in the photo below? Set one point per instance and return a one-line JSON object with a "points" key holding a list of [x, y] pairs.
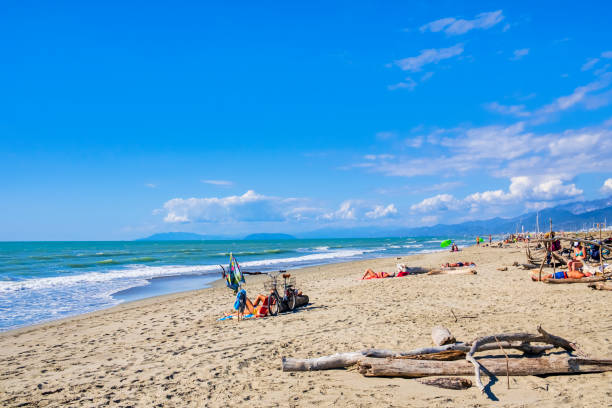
{"points": [[573, 265]]}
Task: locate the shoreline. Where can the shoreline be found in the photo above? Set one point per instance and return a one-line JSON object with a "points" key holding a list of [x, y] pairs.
{"points": [[172, 350], [213, 284], [124, 296]]}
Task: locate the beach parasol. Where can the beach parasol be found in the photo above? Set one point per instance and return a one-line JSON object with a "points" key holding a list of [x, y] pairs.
{"points": [[446, 243], [234, 277]]}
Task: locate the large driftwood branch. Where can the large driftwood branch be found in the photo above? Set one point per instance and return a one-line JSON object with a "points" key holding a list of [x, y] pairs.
{"points": [[376, 367], [542, 337], [588, 279], [343, 360]]}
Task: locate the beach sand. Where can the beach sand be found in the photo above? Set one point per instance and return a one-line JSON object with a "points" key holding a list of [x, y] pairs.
{"points": [[172, 350]]}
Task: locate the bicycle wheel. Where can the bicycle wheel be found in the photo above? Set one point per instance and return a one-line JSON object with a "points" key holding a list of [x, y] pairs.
{"points": [[274, 304], [291, 301]]}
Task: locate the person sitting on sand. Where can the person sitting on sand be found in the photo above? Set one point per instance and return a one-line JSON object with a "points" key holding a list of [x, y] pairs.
{"points": [[370, 274], [458, 264], [252, 307], [577, 262]]}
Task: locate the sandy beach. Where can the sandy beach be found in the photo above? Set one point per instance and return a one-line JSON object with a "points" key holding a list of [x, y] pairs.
{"points": [[172, 350]]}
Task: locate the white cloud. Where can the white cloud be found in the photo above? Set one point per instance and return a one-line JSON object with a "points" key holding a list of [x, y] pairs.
{"points": [[606, 54], [386, 135], [429, 56], [407, 83], [493, 142], [378, 156], [151, 185], [589, 64], [414, 142], [511, 110], [438, 25], [523, 190], [248, 207], [223, 183], [453, 26], [579, 95], [426, 76], [380, 211], [518, 54], [356, 210], [440, 202], [607, 186]]}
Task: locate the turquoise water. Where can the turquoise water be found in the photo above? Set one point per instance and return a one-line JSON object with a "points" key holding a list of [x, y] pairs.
{"points": [[41, 281]]}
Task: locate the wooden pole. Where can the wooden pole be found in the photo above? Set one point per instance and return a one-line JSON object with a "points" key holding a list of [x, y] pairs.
{"points": [[542, 266], [600, 251]]}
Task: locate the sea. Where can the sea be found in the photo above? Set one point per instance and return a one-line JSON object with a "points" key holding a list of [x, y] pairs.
{"points": [[42, 281]]}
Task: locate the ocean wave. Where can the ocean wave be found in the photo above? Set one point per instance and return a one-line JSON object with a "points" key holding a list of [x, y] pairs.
{"points": [[143, 272], [413, 246], [252, 253], [137, 272]]}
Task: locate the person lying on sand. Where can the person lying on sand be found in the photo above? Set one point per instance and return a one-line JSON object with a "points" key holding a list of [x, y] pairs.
{"points": [[370, 274], [458, 264], [562, 275]]}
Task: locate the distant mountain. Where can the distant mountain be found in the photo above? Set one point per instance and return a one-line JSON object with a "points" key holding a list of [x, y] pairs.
{"points": [[265, 236], [176, 236]]}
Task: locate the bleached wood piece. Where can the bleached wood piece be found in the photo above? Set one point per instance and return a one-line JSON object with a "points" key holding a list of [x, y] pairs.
{"points": [[377, 367], [441, 336]]}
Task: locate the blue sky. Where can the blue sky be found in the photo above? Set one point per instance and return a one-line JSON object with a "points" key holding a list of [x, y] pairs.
{"points": [[118, 121]]}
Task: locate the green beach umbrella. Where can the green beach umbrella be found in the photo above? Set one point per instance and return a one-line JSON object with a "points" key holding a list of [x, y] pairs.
{"points": [[446, 243]]}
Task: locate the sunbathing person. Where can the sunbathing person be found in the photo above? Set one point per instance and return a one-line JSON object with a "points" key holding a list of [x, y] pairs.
{"points": [[458, 264], [562, 275], [370, 274]]}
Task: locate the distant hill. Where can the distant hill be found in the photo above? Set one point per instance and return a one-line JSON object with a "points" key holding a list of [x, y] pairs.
{"points": [[266, 236], [175, 236]]}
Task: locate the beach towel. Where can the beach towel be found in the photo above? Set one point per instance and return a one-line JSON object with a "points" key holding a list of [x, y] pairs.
{"points": [[232, 317]]}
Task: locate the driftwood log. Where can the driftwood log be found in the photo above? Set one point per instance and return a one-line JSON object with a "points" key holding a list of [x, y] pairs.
{"points": [[452, 272], [542, 337], [441, 336], [300, 301], [376, 367], [451, 383], [600, 286], [588, 279], [343, 360]]}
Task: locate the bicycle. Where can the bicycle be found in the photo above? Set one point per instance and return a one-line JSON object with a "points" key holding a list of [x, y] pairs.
{"points": [[277, 303]]}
